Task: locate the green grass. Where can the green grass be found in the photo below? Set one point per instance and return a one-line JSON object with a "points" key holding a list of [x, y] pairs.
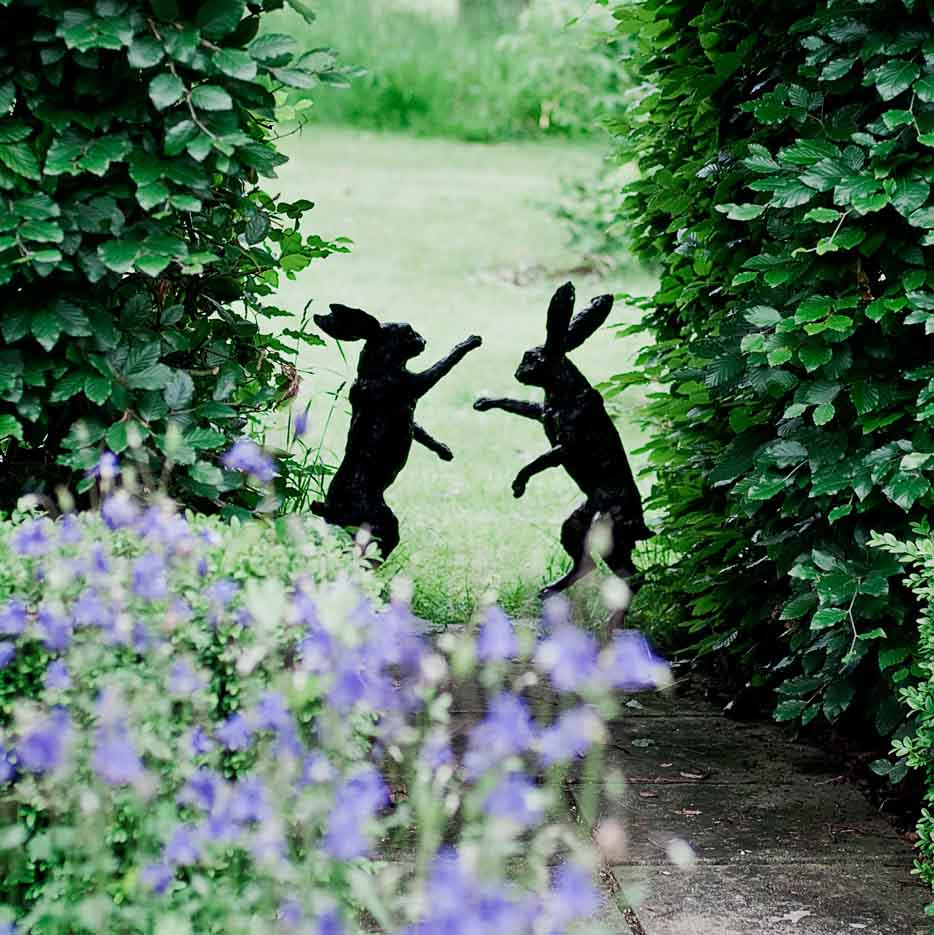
{"points": [[423, 72], [457, 239]]}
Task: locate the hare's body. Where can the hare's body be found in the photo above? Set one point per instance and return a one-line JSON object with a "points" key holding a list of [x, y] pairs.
{"points": [[583, 437], [382, 424]]}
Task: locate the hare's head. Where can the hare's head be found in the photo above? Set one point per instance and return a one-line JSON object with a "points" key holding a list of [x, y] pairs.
{"points": [[388, 346], [541, 365]]}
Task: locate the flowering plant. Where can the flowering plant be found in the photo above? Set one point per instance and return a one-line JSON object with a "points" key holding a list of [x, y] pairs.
{"points": [[222, 729]]}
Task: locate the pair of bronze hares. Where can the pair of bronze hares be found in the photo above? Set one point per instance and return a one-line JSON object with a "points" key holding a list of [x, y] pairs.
{"points": [[583, 438]]}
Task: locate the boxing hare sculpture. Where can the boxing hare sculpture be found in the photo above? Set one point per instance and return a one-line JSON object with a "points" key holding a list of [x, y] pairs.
{"points": [[382, 423], [584, 440]]}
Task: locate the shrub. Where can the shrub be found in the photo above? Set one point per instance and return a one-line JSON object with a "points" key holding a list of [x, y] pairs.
{"points": [[915, 747], [137, 250], [785, 156], [202, 725], [431, 76]]}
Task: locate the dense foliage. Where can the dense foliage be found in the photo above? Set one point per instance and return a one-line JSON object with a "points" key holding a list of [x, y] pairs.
{"points": [[916, 748], [542, 76], [137, 250], [785, 155], [210, 727]]}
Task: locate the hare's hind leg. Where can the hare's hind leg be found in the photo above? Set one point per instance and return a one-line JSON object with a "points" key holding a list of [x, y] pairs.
{"points": [[574, 539], [384, 528]]}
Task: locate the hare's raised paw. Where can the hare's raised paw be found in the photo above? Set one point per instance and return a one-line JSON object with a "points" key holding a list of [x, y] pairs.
{"points": [[483, 404]]}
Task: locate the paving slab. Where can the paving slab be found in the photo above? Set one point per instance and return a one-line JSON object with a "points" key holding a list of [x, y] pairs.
{"points": [[817, 899]]}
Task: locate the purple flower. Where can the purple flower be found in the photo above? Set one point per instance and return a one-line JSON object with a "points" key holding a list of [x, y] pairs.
{"points": [[271, 713], [505, 731], [497, 639], [114, 759], [201, 790], [107, 468], [235, 733], [7, 767], [12, 618], [199, 742], [149, 580], [301, 423], [222, 592], [248, 457], [55, 629], [7, 652], [69, 529], [329, 923], [436, 751], [184, 847], [57, 677], [119, 510], [290, 914], [43, 748], [248, 801], [629, 664], [569, 657], [571, 735], [355, 803], [513, 798], [572, 897], [32, 538], [184, 681], [317, 769], [156, 877]]}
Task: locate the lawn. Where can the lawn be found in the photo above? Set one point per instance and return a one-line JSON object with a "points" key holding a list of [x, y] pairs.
{"points": [[457, 239]]}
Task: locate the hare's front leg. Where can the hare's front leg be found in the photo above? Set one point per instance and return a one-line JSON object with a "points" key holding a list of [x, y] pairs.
{"points": [[517, 407], [432, 444], [549, 459], [425, 380]]}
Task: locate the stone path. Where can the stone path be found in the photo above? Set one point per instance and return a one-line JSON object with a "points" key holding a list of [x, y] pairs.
{"points": [[779, 843]]}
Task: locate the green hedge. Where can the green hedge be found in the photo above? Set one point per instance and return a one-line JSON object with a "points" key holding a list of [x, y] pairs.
{"points": [[137, 250], [785, 152]]}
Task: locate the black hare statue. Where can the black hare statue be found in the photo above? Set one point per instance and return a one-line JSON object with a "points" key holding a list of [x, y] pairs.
{"points": [[382, 424], [584, 440]]}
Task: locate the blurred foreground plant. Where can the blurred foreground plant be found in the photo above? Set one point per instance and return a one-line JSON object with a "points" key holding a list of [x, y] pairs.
{"points": [[219, 729]]}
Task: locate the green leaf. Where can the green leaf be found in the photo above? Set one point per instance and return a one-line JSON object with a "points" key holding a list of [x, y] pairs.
{"points": [[205, 439], [823, 414], [218, 18], [118, 255], [790, 710], [827, 617], [235, 63], [97, 388], [69, 385], [273, 49], [839, 512], [10, 427], [893, 78], [144, 52], [909, 195], [179, 390], [814, 356], [149, 196], [924, 88], [20, 158], [745, 212], [823, 215], [208, 474], [838, 697], [165, 90], [211, 97], [906, 488], [763, 316], [46, 327]]}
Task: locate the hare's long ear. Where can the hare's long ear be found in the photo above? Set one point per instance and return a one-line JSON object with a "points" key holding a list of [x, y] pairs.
{"points": [[559, 317], [348, 324], [585, 323]]}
